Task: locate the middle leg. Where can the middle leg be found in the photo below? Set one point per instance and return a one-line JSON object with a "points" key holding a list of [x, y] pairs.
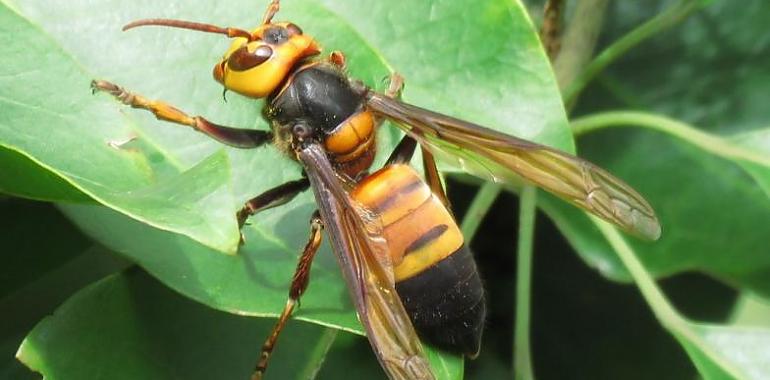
{"points": [[405, 150], [298, 286], [274, 197], [403, 154]]}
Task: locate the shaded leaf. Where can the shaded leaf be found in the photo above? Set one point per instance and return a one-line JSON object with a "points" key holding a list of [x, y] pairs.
{"points": [[709, 71], [718, 351], [23, 177], [129, 326], [39, 270], [26, 256], [711, 211]]}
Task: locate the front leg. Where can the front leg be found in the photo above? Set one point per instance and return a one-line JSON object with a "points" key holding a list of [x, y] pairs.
{"points": [[236, 137]]}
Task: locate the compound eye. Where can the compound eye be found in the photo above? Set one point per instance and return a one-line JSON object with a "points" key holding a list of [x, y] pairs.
{"points": [[242, 59], [275, 35], [293, 30]]}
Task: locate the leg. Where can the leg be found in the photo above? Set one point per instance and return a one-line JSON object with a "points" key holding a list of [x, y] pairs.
{"points": [[395, 86], [403, 154], [276, 196], [239, 138], [405, 150], [298, 286], [433, 178]]}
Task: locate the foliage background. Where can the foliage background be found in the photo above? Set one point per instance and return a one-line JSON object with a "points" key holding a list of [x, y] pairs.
{"points": [[711, 192]]}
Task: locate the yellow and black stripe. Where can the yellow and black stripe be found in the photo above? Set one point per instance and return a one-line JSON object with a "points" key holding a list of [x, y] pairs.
{"points": [[435, 274]]}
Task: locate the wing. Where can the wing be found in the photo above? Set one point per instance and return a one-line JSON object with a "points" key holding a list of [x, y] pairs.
{"points": [[361, 251], [503, 158]]}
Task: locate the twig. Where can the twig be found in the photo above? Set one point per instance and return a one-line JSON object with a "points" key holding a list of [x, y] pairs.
{"points": [[550, 31], [579, 40]]}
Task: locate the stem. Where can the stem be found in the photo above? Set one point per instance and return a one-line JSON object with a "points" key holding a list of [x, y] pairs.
{"points": [[318, 355], [479, 208], [660, 22], [678, 326], [713, 144], [579, 40], [655, 298], [522, 363]]}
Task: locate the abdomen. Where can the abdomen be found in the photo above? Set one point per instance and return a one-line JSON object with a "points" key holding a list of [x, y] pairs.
{"points": [[434, 270]]}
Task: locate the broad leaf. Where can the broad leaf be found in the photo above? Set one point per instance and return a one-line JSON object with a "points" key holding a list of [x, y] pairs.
{"points": [[65, 129], [129, 326], [38, 274], [504, 82], [713, 203], [87, 43], [722, 352], [23, 177]]}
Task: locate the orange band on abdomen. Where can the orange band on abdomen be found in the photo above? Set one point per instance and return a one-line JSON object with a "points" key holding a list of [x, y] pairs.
{"points": [[418, 228]]}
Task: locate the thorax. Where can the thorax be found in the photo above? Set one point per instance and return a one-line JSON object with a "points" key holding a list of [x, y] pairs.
{"points": [[319, 95]]}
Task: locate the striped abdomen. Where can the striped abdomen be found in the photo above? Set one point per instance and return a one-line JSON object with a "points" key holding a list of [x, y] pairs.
{"points": [[435, 274]]}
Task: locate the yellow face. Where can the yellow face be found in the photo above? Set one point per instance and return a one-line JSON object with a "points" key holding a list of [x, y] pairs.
{"points": [[255, 67]]}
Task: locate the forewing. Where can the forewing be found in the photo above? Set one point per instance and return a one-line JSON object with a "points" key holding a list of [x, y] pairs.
{"points": [[361, 251], [502, 158]]}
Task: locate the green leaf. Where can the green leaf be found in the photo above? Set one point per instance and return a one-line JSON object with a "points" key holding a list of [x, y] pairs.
{"points": [[86, 42], [722, 352], [65, 130], [711, 193], [756, 141], [128, 326], [348, 348], [711, 211], [254, 282], [473, 60], [751, 311], [749, 150], [25, 257], [39, 298], [719, 352], [505, 83], [23, 177], [38, 274], [711, 69], [655, 25], [710, 190]]}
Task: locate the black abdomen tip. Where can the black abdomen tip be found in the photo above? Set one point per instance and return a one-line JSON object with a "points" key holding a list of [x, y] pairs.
{"points": [[446, 303]]}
